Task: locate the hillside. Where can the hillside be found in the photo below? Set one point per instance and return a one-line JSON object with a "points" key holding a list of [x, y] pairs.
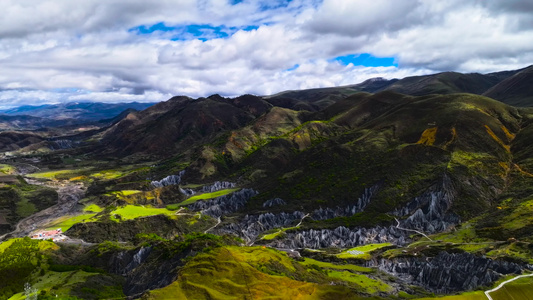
{"points": [[357, 192], [515, 90], [86, 111]]}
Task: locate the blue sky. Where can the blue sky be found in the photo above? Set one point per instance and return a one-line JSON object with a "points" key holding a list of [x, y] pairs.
{"points": [[203, 32], [148, 51], [367, 60]]}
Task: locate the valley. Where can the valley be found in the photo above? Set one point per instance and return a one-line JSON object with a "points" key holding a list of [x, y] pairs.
{"points": [[405, 189]]}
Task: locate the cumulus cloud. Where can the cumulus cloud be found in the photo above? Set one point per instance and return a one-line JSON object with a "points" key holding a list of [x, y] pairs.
{"points": [[94, 50]]}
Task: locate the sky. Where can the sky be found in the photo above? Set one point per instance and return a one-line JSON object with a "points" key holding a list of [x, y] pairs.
{"points": [[55, 51]]}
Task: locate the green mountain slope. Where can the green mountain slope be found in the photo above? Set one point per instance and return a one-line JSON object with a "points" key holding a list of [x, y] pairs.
{"points": [[516, 90], [343, 193]]}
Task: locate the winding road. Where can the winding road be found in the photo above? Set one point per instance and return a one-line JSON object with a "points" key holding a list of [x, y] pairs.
{"points": [[218, 222], [504, 283], [419, 232]]}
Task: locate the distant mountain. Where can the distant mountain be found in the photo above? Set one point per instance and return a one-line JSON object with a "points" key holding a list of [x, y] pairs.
{"points": [[496, 85], [317, 99], [444, 83], [91, 111], [25, 122], [515, 90]]}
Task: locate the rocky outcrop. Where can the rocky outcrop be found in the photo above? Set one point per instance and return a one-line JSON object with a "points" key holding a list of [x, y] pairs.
{"points": [[142, 270], [169, 180], [342, 237], [124, 262], [253, 225], [217, 186], [350, 210], [224, 205], [447, 272], [274, 202], [430, 211], [61, 144], [187, 192]]}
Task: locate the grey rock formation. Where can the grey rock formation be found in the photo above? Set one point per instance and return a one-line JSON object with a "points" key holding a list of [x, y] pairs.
{"points": [[350, 210], [225, 204], [342, 237], [61, 144], [252, 226], [187, 192], [217, 186], [142, 270], [447, 272], [274, 202], [430, 211], [169, 180]]}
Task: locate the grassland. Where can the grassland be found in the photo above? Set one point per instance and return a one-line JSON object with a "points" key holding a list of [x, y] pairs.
{"points": [[93, 208], [520, 289], [61, 283], [58, 174], [520, 217], [273, 235], [87, 173], [130, 212], [203, 196], [366, 249], [478, 295], [368, 285], [123, 193], [7, 169], [252, 272], [68, 221], [108, 174], [326, 265]]}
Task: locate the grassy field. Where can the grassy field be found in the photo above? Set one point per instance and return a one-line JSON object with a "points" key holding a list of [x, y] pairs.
{"points": [[93, 208], [272, 236], [108, 174], [7, 169], [309, 262], [478, 295], [130, 212], [251, 272], [368, 285], [68, 221], [520, 289], [366, 249], [203, 196], [58, 174], [63, 280], [123, 193], [6, 244]]}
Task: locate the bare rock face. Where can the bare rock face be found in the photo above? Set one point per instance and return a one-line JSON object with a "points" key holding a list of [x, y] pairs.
{"points": [[187, 192], [253, 225], [224, 205], [61, 144], [430, 211], [350, 210], [142, 269], [169, 180], [448, 272], [274, 202], [342, 237], [217, 186]]}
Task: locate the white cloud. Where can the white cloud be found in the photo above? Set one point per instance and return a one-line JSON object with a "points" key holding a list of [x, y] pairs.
{"points": [[48, 45]]}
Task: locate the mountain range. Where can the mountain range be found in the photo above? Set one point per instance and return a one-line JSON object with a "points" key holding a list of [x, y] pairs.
{"points": [[387, 189], [93, 111]]}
